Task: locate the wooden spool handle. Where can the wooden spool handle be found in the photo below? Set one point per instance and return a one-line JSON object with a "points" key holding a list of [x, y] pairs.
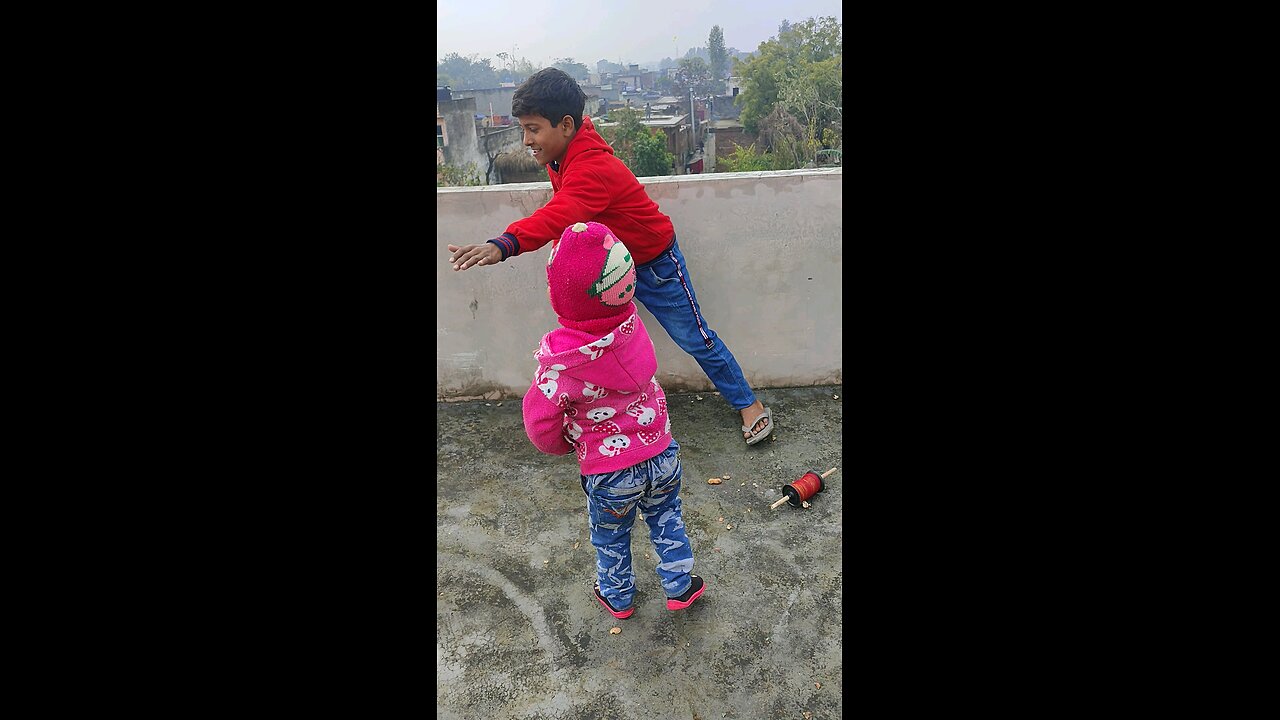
{"points": [[825, 474], [780, 501]]}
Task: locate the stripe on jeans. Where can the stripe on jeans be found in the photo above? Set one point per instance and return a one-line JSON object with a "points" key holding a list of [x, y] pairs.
{"points": [[705, 338]]}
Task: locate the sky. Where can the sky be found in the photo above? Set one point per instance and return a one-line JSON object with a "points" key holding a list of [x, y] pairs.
{"points": [[644, 31]]}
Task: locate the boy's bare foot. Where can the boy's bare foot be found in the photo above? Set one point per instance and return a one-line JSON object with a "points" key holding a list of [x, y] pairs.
{"points": [[753, 417]]}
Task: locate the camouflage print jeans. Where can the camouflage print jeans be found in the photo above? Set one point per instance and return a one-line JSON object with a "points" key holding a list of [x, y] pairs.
{"points": [[653, 487]]}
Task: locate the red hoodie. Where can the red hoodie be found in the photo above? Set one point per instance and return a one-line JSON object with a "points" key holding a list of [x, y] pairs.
{"points": [[592, 184]]}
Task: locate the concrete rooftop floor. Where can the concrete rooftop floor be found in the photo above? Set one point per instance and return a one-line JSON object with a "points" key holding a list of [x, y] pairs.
{"points": [[519, 634]]}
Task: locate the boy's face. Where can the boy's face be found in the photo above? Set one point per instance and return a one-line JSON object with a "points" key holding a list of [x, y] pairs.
{"points": [[547, 141]]}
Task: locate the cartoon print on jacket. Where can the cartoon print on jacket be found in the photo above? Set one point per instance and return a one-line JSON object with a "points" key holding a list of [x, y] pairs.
{"points": [[596, 349], [642, 413], [614, 444], [567, 405], [595, 392], [547, 383], [573, 429], [648, 437]]}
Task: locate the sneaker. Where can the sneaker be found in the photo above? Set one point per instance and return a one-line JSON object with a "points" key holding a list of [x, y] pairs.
{"points": [[693, 593], [620, 614]]}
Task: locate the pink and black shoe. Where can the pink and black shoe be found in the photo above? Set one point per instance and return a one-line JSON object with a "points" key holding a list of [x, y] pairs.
{"points": [[693, 593], [620, 614]]}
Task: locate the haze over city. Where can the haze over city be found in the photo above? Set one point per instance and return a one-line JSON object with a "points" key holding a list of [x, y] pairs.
{"points": [[641, 32]]}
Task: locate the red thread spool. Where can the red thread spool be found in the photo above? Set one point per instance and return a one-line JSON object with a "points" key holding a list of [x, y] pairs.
{"points": [[809, 484]]}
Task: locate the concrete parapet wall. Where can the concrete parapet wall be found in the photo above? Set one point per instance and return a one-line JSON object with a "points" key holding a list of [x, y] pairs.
{"points": [[764, 251]]}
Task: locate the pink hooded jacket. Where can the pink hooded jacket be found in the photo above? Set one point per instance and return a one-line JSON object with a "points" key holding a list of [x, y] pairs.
{"points": [[594, 391]]}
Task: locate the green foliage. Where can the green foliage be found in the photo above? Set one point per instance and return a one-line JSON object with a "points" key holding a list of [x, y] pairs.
{"points": [[623, 135], [466, 73], [789, 143], [454, 176], [715, 49], [651, 156], [575, 70], [801, 69], [641, 149], [694, 73], [745, 160]]}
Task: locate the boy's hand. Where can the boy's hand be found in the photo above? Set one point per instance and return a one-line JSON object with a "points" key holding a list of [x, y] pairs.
{"points": [[468, 255]]}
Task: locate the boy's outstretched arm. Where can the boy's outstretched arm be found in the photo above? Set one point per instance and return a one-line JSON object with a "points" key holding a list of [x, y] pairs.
{"points": [[579, 200], [463, 257]]}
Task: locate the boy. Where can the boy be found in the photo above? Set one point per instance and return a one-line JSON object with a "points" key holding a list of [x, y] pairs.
{"points": [[595, 393], [589, 183]]}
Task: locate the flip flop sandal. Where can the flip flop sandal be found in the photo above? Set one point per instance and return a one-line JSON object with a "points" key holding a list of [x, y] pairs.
{"points": [[764, 432]]}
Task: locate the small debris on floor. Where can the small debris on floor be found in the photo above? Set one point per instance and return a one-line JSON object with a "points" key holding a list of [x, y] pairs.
{"points": [[699, 397], [544, 562], [817, 686], [728, 527], [575, 546], [804, 504], [714, 481], [615, 630], [712, 550], [808, 715], [499, 404], [720, 519], [835, 397], [726, 476]]}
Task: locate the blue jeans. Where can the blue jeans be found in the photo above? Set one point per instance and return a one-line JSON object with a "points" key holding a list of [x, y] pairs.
{"points": [[664, 288], [653, 486]]}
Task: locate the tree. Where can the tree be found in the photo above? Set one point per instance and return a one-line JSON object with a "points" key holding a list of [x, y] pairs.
{"points": [[786, 140], [666, 63], [744, 160], [623, 135], [719, 57], [694, 73], [466, 73], [575, 70], [454, 176], [642, 150], [802, 68], [523, 69], [651, 156]]}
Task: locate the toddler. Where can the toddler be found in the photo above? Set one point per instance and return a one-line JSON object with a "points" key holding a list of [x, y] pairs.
{"points": [[595, 393]]}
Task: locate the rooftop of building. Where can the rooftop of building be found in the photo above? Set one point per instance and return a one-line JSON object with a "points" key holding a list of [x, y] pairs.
{"points": [[519, 633]]}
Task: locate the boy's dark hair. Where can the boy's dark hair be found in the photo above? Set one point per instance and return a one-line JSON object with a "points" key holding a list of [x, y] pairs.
{"points": [[552, 94]]}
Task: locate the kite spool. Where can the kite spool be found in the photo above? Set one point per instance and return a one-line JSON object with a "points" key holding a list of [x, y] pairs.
{"points": [[797, 493]]}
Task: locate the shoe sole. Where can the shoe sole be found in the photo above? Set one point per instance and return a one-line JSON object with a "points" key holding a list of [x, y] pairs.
{"points": [[673, 604], [620, 615]]}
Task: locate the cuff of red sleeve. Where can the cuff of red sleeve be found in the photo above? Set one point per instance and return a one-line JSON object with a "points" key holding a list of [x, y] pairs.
{"points": [[508, 244]]}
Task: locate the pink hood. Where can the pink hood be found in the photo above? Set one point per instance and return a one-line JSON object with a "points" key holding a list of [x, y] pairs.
{"points": [[597, 395]]}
